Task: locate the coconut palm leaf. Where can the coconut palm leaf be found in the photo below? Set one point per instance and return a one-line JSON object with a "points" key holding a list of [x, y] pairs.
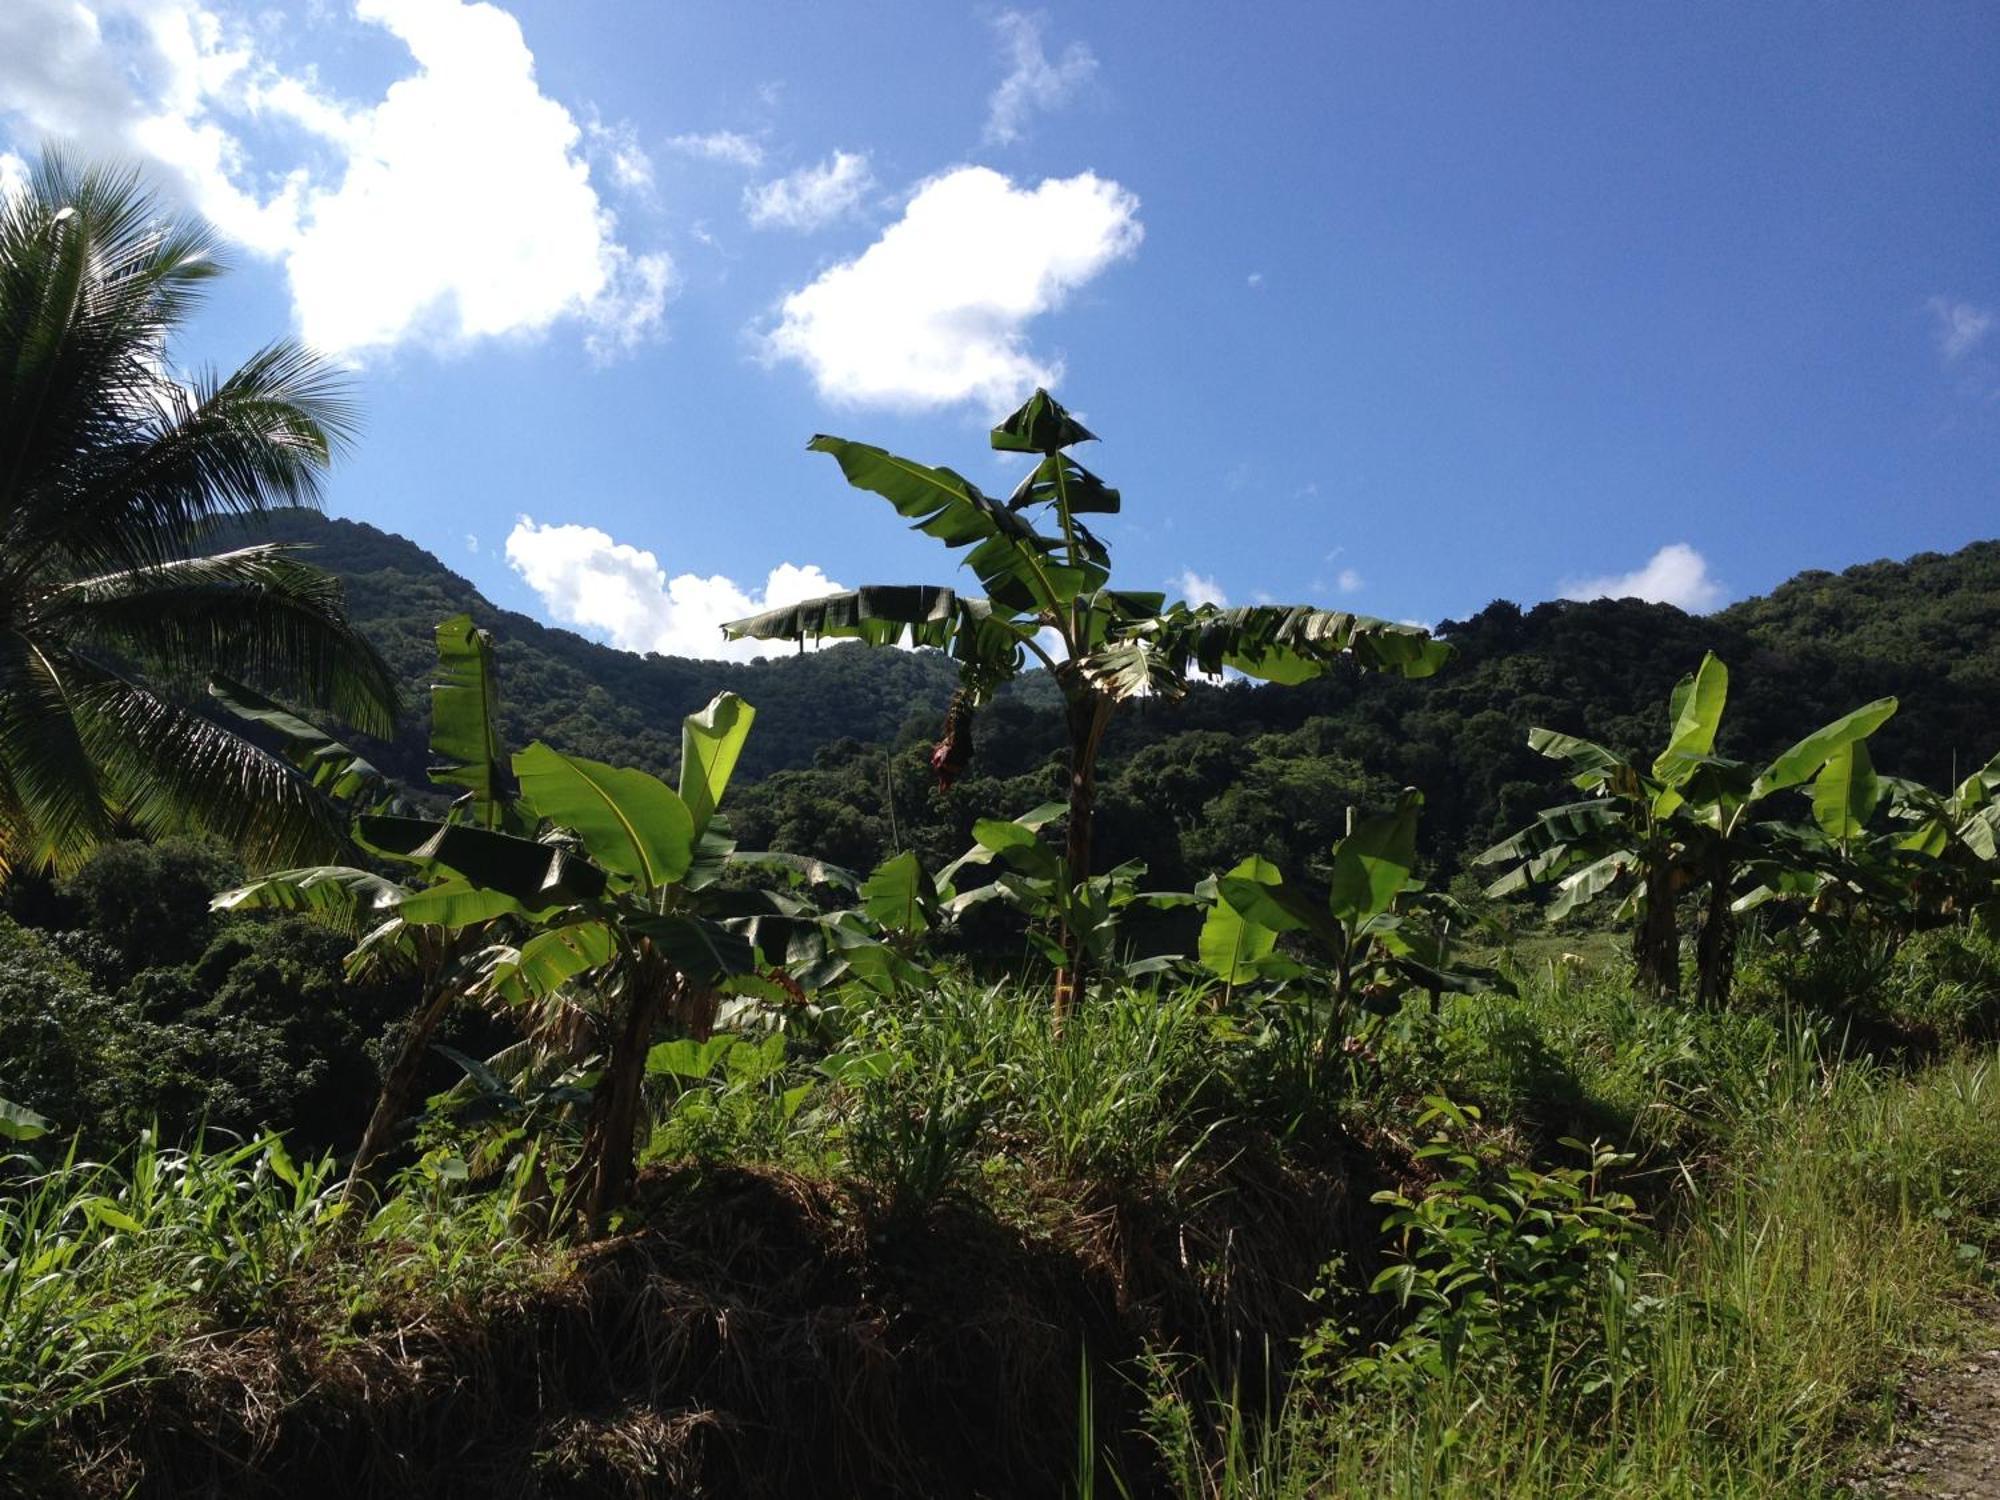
{"points": [[113, 473]]}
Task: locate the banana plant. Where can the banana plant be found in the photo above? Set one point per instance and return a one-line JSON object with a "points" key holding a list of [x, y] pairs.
{"points": [[615, 894], [444, 957], [1933, 860], [1085, 913], [1047, 598], [1370, 921], [1685, 824]]}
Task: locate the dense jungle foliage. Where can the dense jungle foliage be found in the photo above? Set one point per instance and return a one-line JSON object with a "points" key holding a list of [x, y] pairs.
{"points": [[840, 755]]}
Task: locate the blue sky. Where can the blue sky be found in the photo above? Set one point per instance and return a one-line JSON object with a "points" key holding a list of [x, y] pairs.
{"points": [[1398, 310]]}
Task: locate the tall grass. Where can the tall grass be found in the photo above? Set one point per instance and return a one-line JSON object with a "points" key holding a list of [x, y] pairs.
{"points": [[110, 1271], [103, 1268], [1848, 1210], [1120, 1092]]}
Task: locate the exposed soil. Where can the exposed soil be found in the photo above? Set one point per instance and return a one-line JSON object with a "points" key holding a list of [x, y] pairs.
{"points": [[1952, 1448]]}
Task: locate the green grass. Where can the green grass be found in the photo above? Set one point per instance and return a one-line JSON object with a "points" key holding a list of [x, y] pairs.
{"points": [[1847, 1212]]}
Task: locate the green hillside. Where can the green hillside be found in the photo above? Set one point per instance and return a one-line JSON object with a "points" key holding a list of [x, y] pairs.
{"points": [[591, 699], [842, 734]]}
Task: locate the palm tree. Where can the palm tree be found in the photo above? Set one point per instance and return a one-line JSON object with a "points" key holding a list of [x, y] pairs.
{"points": [[113, 475]]}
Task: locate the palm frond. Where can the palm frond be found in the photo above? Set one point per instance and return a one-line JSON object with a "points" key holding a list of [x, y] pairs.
{"points": [[93, 279], [257, 613], [188, 458], [54, 809], [168, 770]]}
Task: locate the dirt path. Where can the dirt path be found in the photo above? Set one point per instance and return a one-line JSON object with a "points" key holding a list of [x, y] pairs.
{"points": [[1953, 1449]]}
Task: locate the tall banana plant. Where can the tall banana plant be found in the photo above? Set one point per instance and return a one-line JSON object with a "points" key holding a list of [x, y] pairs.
{"points": [[1688, 823], [614, 895], [395, 924], [1934, 859], [1047, 598]]}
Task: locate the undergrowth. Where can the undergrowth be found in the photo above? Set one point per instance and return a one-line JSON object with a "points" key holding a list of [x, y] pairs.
{"points": [[1614, 1248]]}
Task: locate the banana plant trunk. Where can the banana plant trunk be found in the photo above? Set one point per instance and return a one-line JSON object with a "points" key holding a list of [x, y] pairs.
{"points": [[397, 1088], [606, 1165], [1656, 946], [1087, 713], [1715, 949]]}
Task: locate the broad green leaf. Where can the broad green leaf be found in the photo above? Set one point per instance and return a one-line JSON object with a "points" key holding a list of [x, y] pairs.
{"points": [[1977, 790], [347, 898], [454, 904], [1595, 765], [1372, 865], [1274, 902], [899, 895], [1133, 669], [1231, 945], [1802, 762], [1981, 832], [1286, 643], [1061, 481], [1697, 713], [631, 823], [1845, 792], [19, 1123], [1570, 823], [550, 959], [1018, 844], [705, 951], [1931, 838], [980, 854], [1016, 563], [537, 875], [1042, 425], [1592, 881], [465, 721], [711, 741], [687, 1058]]}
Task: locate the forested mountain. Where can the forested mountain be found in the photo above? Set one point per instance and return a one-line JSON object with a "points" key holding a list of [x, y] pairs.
{"points": [[591, 699], [840, 739]]}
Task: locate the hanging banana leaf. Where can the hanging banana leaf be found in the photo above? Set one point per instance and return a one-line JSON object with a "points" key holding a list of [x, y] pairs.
{"points": [[465, 721]]}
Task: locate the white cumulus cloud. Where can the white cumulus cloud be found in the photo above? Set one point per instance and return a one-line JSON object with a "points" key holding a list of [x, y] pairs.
{"points": [[1676, 574], [587, 579], [811, 197], [1350, 581], [13, 175], [936, 310], [1197, 589], [1033, 82], [458, 205]]}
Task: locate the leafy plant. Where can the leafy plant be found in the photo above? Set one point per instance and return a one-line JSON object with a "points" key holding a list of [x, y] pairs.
{"points": [[617, 896], [1108, 646], [398, 929], [1366, 920], [729, 1099], [1688, 824], [1495, 1259]]}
